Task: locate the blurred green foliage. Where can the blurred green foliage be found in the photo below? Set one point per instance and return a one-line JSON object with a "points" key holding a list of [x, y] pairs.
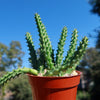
{"points": [[20, 88], [82, 95], [10, 56], [91, 67]]}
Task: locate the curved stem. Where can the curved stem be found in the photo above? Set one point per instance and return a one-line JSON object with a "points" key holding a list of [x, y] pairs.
{"points": [[15, 73]]}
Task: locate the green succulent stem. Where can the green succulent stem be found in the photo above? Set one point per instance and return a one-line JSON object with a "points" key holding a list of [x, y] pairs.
{"points": [[72, 47], [15, 73], [53, 57], [46, 63], [33, 58], [75, 60], [59, 55], [77, 56], [45, 44]]}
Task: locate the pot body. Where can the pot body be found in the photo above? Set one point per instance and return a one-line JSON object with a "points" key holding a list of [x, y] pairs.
{"points": [[54, 88]]}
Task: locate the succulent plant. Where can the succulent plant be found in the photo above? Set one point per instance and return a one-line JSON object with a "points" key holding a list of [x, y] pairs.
{"points": [[47, 64]]}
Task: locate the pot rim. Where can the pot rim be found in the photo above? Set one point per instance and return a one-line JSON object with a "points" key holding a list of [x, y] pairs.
{"points": [[53, 77]]}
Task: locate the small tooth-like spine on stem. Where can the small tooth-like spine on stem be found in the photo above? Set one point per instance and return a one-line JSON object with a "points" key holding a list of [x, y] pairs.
{"points": [[33, 57], [15, 73], [59, 55], [72, 47], [45, 44]]}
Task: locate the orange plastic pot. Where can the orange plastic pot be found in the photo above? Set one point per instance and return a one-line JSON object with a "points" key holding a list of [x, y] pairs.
{"points": [[54, 88]]}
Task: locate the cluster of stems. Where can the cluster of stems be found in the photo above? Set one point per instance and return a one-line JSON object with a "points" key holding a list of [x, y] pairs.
{"points": [[46, 63]]}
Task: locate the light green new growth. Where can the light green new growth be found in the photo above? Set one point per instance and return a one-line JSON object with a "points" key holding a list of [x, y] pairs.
{"points": [[47, 64]]}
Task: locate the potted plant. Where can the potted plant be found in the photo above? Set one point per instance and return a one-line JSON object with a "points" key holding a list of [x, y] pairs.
{"points": [[52, 78]]}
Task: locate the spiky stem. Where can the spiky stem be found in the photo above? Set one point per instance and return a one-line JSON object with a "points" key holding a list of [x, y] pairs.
{"points": [[77, 56], [45, 44], [53, 57], [15, 73], [79, 53], [74, 60], [72, 47], [59, 55], [33, 57]]}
